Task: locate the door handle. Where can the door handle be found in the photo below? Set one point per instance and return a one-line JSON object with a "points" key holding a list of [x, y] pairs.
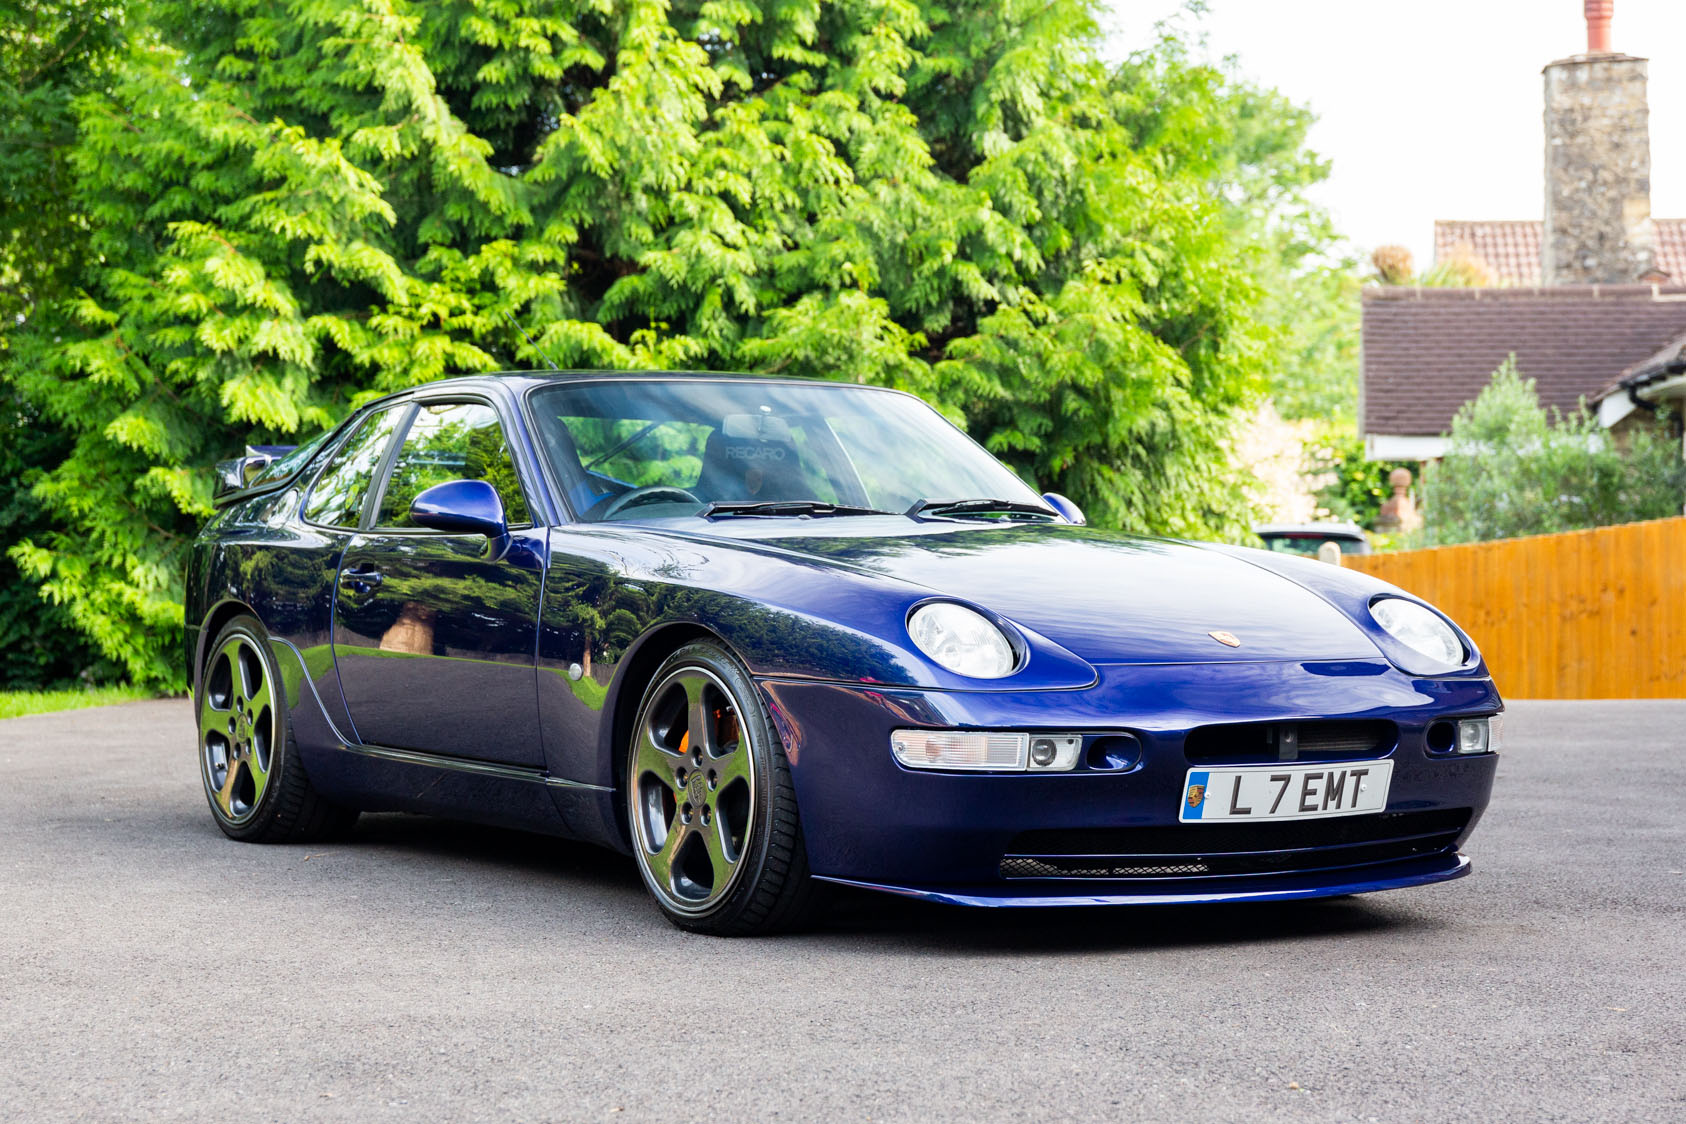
{"points": [[360, 578]]}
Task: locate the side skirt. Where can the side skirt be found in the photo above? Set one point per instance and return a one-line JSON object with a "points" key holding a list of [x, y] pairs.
{"points": [[384, 779], [468, 765]]}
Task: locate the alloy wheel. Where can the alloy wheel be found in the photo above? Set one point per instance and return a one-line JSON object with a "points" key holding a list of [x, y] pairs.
{"points": [[693, 789], [237, 720]]}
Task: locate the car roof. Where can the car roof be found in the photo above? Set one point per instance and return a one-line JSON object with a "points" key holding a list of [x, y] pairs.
{"points": [[518, 382], [1343, 530]]}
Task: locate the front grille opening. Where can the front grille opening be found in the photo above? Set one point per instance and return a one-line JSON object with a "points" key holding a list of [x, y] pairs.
{"points": [[1228, 850], [1022, 866], [1254, 743]]}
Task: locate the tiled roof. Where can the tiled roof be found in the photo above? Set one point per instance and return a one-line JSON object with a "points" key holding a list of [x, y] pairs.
{"points": [[1428, 351], [1673, 352], [1511, 249], [1671, 248]]}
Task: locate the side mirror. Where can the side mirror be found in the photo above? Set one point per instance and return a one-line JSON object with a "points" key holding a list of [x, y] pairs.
{"points": [[253, 463], [1071, 512], [233, 476], [462, 507]]}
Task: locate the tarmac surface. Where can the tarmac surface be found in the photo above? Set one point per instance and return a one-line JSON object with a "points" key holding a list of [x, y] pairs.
{"points": [[152, 970]]}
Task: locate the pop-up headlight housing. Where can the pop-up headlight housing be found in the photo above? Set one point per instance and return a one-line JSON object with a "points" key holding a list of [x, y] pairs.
{"points": [[963, 640], [1435, 645]]}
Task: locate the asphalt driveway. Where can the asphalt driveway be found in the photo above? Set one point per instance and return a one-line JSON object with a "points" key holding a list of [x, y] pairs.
{"points": [[152, 970]]}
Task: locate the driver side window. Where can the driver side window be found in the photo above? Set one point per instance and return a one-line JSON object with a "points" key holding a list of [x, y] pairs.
{"points": [[452, 441], [336, 499]]}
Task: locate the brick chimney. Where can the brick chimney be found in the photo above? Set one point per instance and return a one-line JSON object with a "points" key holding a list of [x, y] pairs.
{"points": [[1597, 163]]}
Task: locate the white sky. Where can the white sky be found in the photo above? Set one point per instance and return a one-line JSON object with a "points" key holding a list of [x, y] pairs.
{"points": [[1431, 108]]}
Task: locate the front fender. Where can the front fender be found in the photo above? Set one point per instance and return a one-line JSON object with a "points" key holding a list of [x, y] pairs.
{"points": [[607, 589]]}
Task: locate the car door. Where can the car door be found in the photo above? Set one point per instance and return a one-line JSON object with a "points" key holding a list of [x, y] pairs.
{"points": [[435, 634]]}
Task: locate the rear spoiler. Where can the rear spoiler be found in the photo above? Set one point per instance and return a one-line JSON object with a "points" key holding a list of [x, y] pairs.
{"points": [[235, 476]]}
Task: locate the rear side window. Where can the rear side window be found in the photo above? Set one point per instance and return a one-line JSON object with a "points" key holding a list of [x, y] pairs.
{"points": [[336, 499], [452, 441]]}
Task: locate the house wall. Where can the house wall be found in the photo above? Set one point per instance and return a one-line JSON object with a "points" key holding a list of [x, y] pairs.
{"points": [[1644, 420]]}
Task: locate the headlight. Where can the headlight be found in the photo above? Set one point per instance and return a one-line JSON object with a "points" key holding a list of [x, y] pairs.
{"points": [[962, 640], [1422, 631]]}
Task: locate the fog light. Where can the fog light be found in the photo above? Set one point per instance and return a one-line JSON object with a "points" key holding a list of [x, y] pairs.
{"points": [[1478, 735], [1054, 753], [957, 749]]}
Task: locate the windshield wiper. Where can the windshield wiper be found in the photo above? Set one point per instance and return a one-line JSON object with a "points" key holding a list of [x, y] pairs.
{"points": [[784, 507], [978, 507]]}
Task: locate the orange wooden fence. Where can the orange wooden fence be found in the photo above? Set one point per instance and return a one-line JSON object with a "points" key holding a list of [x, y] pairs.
{"points": [[1597, 614]]}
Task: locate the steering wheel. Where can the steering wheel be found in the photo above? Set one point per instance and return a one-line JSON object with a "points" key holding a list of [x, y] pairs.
{"points": [[650, 493]]}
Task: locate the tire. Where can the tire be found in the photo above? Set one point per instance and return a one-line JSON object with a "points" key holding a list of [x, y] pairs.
{"points": [[710, 805], [248, 758]]}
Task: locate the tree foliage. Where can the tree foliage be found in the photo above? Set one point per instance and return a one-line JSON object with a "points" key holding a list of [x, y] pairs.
{"points": [[280, 208], [1515, 468], [51, 53], [1356, 487], [1315, 313], [1310, 283], [39, 644], [1462, 268]]}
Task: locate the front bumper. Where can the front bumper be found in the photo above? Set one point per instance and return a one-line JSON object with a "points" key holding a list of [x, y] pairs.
{"points": [[952, 837]]}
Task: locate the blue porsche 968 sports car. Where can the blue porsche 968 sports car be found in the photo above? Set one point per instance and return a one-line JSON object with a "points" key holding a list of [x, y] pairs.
{"points": [[767, 635]]}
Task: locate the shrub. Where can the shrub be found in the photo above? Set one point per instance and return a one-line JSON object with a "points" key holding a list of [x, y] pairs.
{"points": [[1514, 468]]}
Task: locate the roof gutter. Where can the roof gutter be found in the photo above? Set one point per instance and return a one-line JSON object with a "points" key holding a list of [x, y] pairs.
{"points": [[1639, 380]]}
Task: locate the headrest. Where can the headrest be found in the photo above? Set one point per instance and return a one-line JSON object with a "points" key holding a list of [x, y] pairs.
{"points": [[750, 457], [755, 427]]}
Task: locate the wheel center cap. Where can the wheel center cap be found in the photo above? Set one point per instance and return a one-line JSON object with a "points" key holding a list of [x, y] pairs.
{"points": [[697, 789]]}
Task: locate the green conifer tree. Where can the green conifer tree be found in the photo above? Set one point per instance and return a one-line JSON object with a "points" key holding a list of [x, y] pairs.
{"points": [[289, 206]]}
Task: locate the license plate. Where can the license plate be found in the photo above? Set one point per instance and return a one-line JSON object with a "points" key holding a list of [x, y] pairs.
{"points": [[1285, 792]]}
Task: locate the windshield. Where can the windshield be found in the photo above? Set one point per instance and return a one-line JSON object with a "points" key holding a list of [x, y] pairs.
{"points": [[660, 448], [1308, 543]]}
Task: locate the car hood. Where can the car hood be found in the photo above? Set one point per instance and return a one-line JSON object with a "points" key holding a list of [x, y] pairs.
{"points": [[1106, 597]]}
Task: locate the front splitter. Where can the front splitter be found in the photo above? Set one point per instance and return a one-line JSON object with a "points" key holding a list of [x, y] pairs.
{"points": [[1323, 884]]}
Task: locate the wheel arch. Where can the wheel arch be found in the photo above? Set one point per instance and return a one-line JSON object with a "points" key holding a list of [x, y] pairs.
{"points": [[635, 677], [770, 888], [215, 620]]}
